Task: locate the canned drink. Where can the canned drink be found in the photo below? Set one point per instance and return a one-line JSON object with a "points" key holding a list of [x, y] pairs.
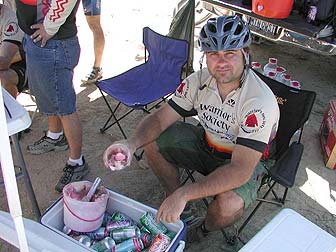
{"points": [[146, 239], [106, 243], [143, 229], [118, 224], [68, 231], [106, 219], [171, 234], [131, 245], [122, 234], [84, 239], [117, 216], [160, 243], [98, 234], [148, 220]]}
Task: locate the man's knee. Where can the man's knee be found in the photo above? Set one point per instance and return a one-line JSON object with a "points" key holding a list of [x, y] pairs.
{"points": [[229, 205]]}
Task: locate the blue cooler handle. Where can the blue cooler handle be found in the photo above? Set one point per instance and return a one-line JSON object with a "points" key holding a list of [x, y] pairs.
{"points": [[180, 247]]}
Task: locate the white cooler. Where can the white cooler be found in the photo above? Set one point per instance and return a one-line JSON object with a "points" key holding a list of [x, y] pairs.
{"points": [[53, 218], [288, 231]]}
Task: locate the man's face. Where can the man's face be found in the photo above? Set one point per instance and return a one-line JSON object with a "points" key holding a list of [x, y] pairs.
{"points": [[225, 66]]}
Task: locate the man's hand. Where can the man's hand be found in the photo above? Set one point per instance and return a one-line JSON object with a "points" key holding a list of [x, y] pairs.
{"points": [[171, 208], [40, 34]]}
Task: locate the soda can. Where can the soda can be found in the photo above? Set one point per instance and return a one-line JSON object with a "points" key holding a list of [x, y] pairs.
{"points": [[146, 239], [118, 224], [160, 243], [106, 219], [98, 234], [148, 220], [117, 216], [68, 231], [131, 245], [106, 243], [143, 229], [84, 239], [122, 234], [171, 234]]}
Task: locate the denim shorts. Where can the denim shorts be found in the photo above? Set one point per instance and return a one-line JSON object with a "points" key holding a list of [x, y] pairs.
{"points": [[92, 7], [50, 72], [184, 146]]}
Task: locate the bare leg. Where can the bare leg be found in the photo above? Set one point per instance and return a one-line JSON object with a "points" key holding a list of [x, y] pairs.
{"points": [[73, 132], [167, 174], [54, 124], [225, 210], [9, 80], [98, 38]]}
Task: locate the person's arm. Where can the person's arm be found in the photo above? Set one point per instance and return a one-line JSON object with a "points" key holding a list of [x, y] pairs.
{"points": [[119, 154], [54, 19], [8, 51], [223, 179]]}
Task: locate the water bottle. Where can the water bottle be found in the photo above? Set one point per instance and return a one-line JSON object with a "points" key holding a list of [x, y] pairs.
{"points": [[295, 84], [278, 72], [286, 79], [256, 66], [270, 66], [270, 74]]}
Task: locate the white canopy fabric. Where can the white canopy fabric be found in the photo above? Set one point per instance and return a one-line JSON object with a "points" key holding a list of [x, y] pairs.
{"points": [[9, 178]]}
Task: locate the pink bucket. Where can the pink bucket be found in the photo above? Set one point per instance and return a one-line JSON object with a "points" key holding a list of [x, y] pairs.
{"points": [[83, 216]]}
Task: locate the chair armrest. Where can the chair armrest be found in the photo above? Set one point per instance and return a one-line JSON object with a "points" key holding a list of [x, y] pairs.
{"points": [[285, 169]]}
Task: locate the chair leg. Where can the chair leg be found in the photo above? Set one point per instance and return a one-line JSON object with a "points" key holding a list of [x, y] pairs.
{"points": [[26, 176], [255, 209], [116, 120]]}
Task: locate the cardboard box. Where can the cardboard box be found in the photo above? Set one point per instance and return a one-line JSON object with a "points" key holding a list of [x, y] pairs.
{"points": [[53, 218], [328, 135]]}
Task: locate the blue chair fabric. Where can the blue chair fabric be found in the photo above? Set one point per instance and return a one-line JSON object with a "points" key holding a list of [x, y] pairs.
{"points": [[144, 84]]}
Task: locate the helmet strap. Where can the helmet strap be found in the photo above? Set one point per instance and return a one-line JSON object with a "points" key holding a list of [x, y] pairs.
{"points": [[246, 66], [201, 60]]}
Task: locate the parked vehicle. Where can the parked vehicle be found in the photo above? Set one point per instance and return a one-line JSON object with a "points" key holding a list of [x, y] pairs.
{"points": [[300, 28]]}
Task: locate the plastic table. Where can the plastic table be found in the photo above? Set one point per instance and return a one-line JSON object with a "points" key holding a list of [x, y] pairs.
{"points": [[40, 238], [17, 120], [289, 231]]}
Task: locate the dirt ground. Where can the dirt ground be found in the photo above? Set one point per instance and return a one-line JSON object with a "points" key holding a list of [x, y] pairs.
{"points": [[314, 193]]}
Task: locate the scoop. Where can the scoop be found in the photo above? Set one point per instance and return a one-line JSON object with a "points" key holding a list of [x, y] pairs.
{"points": [[92, 190]]}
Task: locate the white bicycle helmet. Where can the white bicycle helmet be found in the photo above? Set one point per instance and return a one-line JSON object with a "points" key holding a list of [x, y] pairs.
{"points": [[224, 33]]}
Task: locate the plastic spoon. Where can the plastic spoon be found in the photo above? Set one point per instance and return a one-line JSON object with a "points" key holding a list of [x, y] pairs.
{"points": [[92, 190]]}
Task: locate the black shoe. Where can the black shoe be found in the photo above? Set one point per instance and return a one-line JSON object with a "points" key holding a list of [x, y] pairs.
{"points": [[72, 174], [196, 230]]}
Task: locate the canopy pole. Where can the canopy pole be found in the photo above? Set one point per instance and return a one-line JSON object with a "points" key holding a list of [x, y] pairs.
{"points": [[8, 173]]}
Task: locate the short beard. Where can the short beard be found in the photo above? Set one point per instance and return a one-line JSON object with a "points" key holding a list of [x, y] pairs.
{"points": [[225, 81]]}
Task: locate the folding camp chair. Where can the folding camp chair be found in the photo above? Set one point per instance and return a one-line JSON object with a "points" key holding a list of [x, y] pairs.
{"points": [[145, 86], [295, 107]]}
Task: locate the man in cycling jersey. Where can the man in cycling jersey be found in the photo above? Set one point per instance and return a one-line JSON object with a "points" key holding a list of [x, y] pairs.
{"points": [[238, 118]]}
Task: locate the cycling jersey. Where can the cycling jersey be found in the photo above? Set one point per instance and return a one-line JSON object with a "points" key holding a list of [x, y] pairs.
{"points": [[248, 116], [57, 16], [9, 29]]}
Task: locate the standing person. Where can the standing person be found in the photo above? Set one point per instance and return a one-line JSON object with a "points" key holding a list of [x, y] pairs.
{"points": [[238, 117], [92, 10], [12, 62], [52, 52]]}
